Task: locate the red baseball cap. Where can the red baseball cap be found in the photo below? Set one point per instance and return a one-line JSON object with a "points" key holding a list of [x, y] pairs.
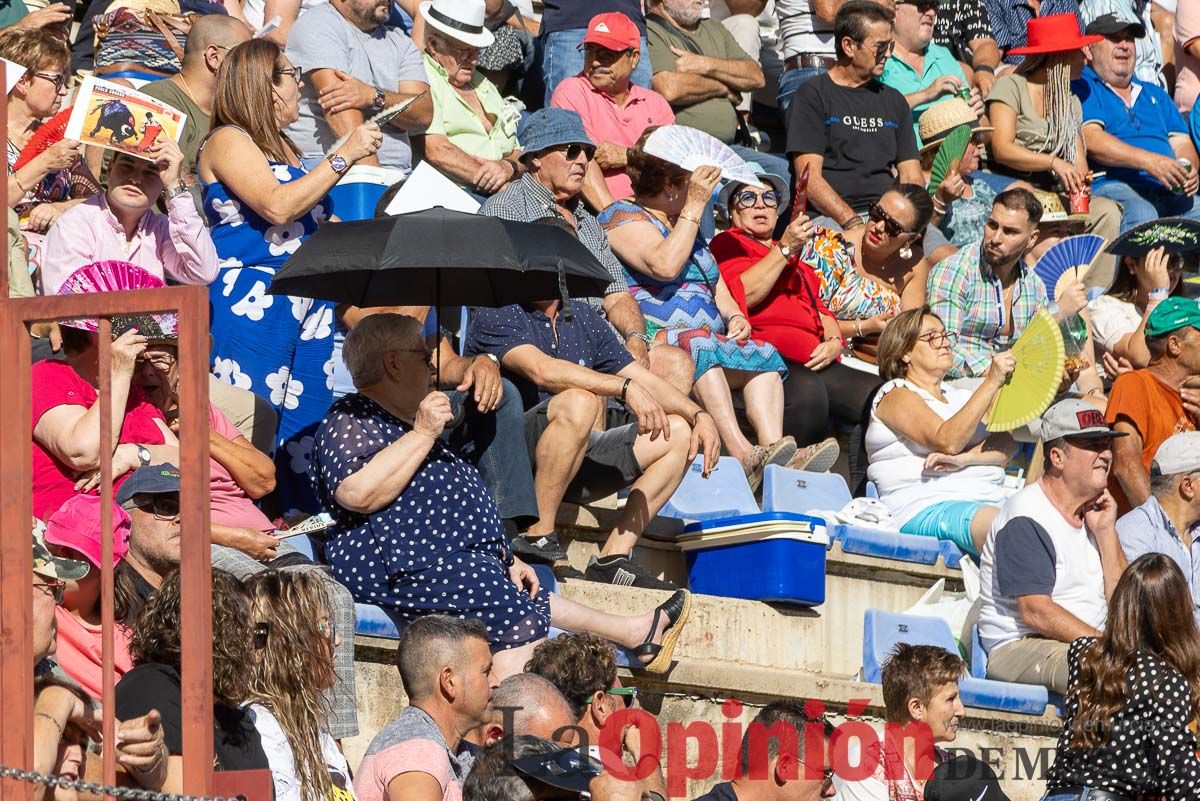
{"points": [[76, 525], [613, 31]]}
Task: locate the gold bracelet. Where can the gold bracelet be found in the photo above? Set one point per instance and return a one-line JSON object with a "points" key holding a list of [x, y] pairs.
{"points": [[50, 718], [695, 220]]}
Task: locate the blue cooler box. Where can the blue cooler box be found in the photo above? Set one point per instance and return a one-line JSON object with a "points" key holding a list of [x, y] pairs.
{"points": [[355, 196], [769, 556]]}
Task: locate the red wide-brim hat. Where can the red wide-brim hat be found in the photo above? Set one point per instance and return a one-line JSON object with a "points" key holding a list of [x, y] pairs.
{"points": [[1057, 33]]}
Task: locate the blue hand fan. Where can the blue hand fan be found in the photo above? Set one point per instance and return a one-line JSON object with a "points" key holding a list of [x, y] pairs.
{"points": [[1067, 261]]}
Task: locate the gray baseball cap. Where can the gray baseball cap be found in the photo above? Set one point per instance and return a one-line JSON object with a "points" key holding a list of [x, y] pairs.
{"points": [[1075, 419], [1178, 454]]}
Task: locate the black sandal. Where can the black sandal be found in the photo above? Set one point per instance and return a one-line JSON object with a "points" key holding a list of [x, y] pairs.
{"points": [[676, 609]]}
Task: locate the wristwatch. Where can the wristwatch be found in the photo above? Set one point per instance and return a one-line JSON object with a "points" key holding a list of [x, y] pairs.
{"points": [[378, 102], [339, 164], [143, 455], [491, 356], [175, 191], [785, 250]]}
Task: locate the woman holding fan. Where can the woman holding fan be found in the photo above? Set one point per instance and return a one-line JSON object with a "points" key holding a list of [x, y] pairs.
{"points": [[675, 280], [781, 297]]}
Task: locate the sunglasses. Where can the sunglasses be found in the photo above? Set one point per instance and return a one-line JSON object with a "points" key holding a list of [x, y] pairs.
{"points": [[629, 694], [56, 589], [939, 339], [428, 356], [1093, 444], [748, 199], [922, 6], [893, 228], [883, 48], [164, 507], [296, 73], [58, 79], [572, 151]]}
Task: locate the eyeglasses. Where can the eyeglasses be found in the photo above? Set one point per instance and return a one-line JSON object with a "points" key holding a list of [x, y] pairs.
{"points": [[58, 79], [164, 507], [295, 72], [629, 694], [573, 150], [456, 51], [427, 354], [893, 228], [939, 339], [56, 589], [748, 199], [826, 775], [921, 5]]}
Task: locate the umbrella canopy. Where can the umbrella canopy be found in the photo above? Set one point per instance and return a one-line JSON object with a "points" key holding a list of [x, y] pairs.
{"points": [[1175, 234], [437, 256]]}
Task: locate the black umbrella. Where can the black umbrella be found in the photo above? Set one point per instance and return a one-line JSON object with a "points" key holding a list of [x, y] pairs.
{"points": [[1175, 234], [437, 255]]}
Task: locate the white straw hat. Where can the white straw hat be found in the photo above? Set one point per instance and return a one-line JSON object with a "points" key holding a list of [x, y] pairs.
{"points": [[461, 20]]}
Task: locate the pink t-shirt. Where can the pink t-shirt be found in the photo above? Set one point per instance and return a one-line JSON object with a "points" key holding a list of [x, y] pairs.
{"points": [[80, 653], [231, 506], [407, 756], [605, 122], [55, 383], [1187, 82]]}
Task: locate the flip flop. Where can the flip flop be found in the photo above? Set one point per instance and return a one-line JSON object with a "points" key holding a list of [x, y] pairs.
{"points": [[676, 608]]}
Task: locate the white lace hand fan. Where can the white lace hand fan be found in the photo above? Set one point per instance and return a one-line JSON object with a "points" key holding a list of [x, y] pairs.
{"points": [[689, 148]]}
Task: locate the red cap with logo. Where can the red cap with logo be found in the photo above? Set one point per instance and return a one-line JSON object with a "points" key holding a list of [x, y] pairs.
{"points": [[613, 31]]}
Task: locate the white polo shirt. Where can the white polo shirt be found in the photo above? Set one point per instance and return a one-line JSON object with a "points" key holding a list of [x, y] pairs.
{"points": [[1032, 550]]}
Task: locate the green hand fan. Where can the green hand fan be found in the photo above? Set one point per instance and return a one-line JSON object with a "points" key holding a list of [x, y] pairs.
{"points": [[949, 154], [1034, 383]]}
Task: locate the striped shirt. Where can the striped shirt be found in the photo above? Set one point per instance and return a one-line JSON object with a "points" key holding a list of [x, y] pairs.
{"points": [[1009, 17], [969, 299]]}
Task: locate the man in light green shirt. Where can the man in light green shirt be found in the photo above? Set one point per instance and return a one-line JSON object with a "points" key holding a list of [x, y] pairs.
{"points": [[473, 135]]}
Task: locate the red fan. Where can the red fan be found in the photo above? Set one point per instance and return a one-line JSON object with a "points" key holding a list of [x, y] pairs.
{"points": [[48, 134]]}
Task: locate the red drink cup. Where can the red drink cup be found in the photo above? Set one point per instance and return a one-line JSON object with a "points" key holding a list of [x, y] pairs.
{"points": [[1080, 201]]}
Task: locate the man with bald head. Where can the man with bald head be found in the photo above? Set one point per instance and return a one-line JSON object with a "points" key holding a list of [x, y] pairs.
{"points": [[446, 668], [528, 704], [191, 89]]}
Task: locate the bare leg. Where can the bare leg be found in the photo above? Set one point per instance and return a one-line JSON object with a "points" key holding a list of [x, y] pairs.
{"points": [[663, 462], [712, 390], [763, 395], [512, 661], [674, 366], [625, 630], [980, 523], [560, 452]]}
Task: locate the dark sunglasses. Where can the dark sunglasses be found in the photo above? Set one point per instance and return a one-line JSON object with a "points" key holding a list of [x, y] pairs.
{"points": [[921, 5], [58, 589], [572, 151], [296, 73], [1093, 444], [883, 48], [163, 507], [59, 80], [893, 228], [748, 199]]}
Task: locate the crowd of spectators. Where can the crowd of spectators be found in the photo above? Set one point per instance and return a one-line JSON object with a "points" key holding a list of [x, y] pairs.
{"points": [[837, 311]]}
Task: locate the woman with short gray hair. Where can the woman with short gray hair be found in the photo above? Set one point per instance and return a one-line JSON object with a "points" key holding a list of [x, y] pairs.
{"points": [[415, 529]]}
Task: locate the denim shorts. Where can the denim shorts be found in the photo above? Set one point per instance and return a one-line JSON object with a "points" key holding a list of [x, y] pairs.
{"points": [[948, 520]]}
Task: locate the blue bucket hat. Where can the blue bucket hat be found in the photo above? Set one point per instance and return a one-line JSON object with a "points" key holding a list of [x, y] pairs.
{"points": [[551, 127]]}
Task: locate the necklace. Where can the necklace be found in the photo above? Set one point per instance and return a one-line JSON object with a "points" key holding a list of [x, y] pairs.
{"points": [[187, 90]]}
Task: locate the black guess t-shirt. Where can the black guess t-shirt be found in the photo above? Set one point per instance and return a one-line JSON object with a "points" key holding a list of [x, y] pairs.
{"points": [[861, 133]]}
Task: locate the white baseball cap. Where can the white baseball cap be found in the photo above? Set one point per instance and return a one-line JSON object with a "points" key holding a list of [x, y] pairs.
{"points": [[1179, 453]]}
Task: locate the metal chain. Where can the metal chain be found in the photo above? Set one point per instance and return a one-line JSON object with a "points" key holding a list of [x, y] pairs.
{"points": [[53, 780]]}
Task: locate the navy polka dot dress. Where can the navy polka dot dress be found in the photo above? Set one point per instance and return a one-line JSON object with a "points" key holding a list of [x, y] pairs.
{"points": [[437, 548]]}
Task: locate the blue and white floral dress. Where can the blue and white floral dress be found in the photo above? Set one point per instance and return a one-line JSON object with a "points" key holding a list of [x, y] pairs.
{"points": [[278, 347]]}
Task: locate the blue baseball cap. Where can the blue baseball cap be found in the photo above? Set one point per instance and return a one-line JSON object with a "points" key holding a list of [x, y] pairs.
{"points": [[551, 127], [157, 479]]}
